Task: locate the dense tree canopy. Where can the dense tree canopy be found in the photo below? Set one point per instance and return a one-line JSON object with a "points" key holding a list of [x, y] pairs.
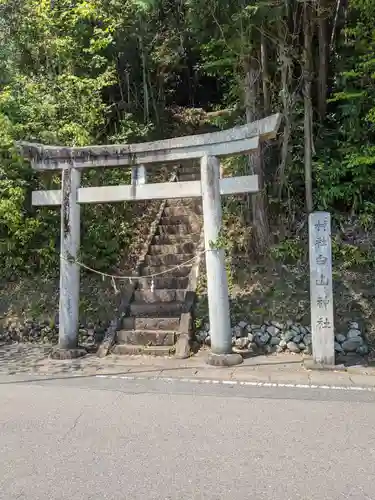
{"points": [[80, 72]]}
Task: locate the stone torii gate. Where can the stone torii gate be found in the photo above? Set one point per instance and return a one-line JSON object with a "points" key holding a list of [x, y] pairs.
{"points": [[206, 147]]}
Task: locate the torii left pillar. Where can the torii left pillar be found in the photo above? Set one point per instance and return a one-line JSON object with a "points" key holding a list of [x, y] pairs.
{"points": [[69, 270]]}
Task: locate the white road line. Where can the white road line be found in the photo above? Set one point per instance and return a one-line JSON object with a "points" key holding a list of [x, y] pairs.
{"points": [[241, 382]]}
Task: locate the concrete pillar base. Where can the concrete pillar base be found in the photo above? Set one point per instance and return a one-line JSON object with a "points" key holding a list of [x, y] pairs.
{"points": [[231, 359], [310, 364], [59, 353]]}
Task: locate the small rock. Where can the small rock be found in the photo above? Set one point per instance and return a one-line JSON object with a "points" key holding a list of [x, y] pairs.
{"points": [[352, 355], [362, 350], [302, 346], [234, 339], [283, 343], [288, 335], [297, 339], [99, 330], [338, 347], [248, 328], [308, 339], [15, 336], [269, 349], [255, 328], [295, 328], [352, 333], [263, 328], [242, 324], [250, 336], [242, 342], [289, 323], [308, 350], [293, 347], [207, 340], [279, 349], [303, 330], [354, 325], [262, 339], [253, 347], [352, 344], [278, 325], [237, 331], [340, 338], [275, 340], [273, 331]]}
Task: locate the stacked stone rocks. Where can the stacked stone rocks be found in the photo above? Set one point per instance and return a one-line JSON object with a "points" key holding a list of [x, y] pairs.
{"points": [[352, 342], [276, 337], [46, 332]]}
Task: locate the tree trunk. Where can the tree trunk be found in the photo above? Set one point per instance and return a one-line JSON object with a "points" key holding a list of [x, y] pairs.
{"points": [[146, 100], [308, 106], [323, 60], [265, 75], [258, 200], [286, 76]]}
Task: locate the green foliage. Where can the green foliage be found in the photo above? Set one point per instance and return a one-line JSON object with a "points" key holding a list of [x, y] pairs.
{"points": [[94, 71], [352, 256], [52, 91], [221, 242], [289, 251], [18, 228], [345, 171]]}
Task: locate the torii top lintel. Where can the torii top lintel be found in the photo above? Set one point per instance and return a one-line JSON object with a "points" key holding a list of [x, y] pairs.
{"points": [[236, 140]]}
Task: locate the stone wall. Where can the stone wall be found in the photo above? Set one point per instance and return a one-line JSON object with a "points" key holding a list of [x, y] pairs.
{"points": [[45, 332], [275, 337], [270, 337]]}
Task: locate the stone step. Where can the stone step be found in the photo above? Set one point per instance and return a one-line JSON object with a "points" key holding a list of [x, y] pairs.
{"points": [[179, 219], [180, 272], [152, 323], [178, 210], [164, 282], [168, 259], [186, 229], [162, 309], [178, 248], [146, 337], [159, 295], [189, 168], [188, 176], [175, 239], [185, 202], [128, 350]]}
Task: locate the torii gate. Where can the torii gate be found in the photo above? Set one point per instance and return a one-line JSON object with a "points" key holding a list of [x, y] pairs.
{"points": [[207, 148]]}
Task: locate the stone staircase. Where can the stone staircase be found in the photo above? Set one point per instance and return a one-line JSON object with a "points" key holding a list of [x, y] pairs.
{"points": [[153, 322]]}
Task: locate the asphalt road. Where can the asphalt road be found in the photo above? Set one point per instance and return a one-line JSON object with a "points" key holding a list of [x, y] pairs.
{"points": [[98, 439]]}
